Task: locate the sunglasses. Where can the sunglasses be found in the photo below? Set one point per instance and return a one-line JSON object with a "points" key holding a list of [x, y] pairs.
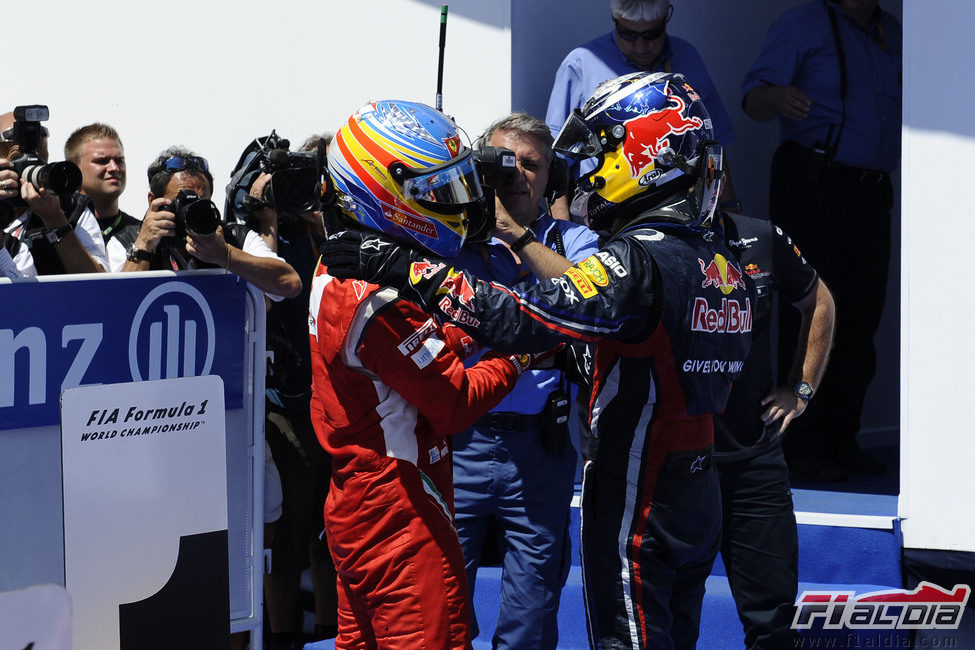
{"points": [[179, 163], [630, 35]]}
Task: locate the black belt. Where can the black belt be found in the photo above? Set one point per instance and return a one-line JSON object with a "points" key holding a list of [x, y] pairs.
{"points": [[857, 175], [504, 421]]}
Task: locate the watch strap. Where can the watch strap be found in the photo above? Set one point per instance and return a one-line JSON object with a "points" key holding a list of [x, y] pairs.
{"points": [[54, 235], [803, 390], [136, 254], [527, 238]]}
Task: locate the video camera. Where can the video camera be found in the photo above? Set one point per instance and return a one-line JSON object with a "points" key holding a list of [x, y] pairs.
{"points": [[494, 164], [296, 179], [62, 178]]}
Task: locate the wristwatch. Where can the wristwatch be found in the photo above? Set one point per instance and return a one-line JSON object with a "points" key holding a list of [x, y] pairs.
{"points": [[136, 254], [803, 390], [523, 241], [54, 235]]}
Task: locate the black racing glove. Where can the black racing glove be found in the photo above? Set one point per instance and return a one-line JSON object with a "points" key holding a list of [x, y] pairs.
{"points": [[360, 255]]}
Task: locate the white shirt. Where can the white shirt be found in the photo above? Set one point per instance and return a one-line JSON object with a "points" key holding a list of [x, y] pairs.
{"points": [[253, 245], [22, 264]]}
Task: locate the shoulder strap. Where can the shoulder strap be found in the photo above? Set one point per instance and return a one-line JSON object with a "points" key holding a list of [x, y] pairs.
{"points": [[832, 145]]}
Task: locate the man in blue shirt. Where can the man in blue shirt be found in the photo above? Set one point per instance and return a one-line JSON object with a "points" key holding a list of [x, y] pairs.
{"points": [[639, 42], [512, 477], [830, 70]]}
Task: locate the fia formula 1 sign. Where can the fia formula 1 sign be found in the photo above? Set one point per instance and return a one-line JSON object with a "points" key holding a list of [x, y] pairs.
{"points": [[91, 332], [144, 570]]}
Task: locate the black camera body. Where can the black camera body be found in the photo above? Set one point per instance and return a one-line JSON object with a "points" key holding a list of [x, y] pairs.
{"points": [[194, 215], [295, 185], [494, 164], [296, 179], [62, 178]]}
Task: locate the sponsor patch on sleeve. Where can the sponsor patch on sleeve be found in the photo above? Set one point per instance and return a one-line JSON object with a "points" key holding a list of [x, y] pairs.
{"points": [[427, 352], [412, 342], [592, 268], [581, 282]]}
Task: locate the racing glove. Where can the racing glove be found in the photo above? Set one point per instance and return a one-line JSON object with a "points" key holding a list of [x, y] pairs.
{"points": [[360, 255], [523, 362]]}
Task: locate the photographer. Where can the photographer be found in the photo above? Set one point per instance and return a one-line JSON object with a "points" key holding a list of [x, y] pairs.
{"points": [[514, 469], [294, 234], [166, 242], [43, 233]]}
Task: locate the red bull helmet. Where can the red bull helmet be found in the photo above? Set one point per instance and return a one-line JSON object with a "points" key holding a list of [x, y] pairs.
{"points": [[655, 151], [400, 168]]}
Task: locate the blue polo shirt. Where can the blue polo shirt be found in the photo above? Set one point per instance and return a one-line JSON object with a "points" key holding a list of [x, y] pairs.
{"points": [[494, 262], [600, 59], [800, 50]]}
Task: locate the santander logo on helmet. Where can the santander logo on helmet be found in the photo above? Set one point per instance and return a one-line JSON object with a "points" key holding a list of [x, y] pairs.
{"points": [[647, 135]]}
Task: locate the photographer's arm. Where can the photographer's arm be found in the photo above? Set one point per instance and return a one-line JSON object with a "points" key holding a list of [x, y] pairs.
{"points": [[272, 275], [69, 248], [156, 224], [267, 218], [542, 260]]}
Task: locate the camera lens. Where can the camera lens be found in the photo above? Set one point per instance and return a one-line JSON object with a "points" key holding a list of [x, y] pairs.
{"points": [[62, 178], [201, 217]]}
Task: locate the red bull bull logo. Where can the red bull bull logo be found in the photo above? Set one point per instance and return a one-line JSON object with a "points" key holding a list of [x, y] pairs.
{"points": [[423, 270], [456, 285], [648, 135], [721, 274]]}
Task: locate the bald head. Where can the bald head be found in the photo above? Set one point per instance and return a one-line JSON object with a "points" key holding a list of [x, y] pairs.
{"points": [[8, 150]]}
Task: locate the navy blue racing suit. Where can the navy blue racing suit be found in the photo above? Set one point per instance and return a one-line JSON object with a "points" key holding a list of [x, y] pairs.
{"points": [[671, 312]]}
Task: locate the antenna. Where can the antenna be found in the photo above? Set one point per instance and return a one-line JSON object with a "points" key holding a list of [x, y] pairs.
{"points": [[443, 42]]}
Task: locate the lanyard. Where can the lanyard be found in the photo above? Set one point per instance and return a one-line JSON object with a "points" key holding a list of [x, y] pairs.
{"points": [[108, 231]]}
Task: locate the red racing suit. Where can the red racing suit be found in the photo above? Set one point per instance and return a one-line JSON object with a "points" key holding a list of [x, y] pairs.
{"points": [[388, 386]]}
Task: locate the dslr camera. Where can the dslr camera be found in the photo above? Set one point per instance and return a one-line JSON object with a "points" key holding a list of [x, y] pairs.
{"points": [[296, 179], [62, 178], [194, 215]]}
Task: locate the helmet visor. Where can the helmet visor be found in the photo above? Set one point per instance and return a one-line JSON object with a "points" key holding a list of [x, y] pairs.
{"points": [[576, 139], [447, 190]]}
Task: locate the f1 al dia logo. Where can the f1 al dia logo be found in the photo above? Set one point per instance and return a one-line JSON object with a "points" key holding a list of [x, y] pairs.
{"points": [[929, 607], [172, 334]]}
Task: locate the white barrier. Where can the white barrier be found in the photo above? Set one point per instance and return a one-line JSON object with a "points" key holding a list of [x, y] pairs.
{"points": [[194, 335]]}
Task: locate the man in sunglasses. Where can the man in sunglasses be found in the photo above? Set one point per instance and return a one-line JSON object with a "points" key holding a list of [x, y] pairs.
{"points": [[639, 43], [229, 246], [42, 233]]}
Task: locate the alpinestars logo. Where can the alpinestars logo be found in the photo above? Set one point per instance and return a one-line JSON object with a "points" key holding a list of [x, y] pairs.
{"points": [[929, 607]]}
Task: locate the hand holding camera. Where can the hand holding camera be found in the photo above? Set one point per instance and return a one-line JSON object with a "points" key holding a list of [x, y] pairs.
{"points": [[9, 181], [157, 223], [44, 203], [272, 182], [212, 248]]}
